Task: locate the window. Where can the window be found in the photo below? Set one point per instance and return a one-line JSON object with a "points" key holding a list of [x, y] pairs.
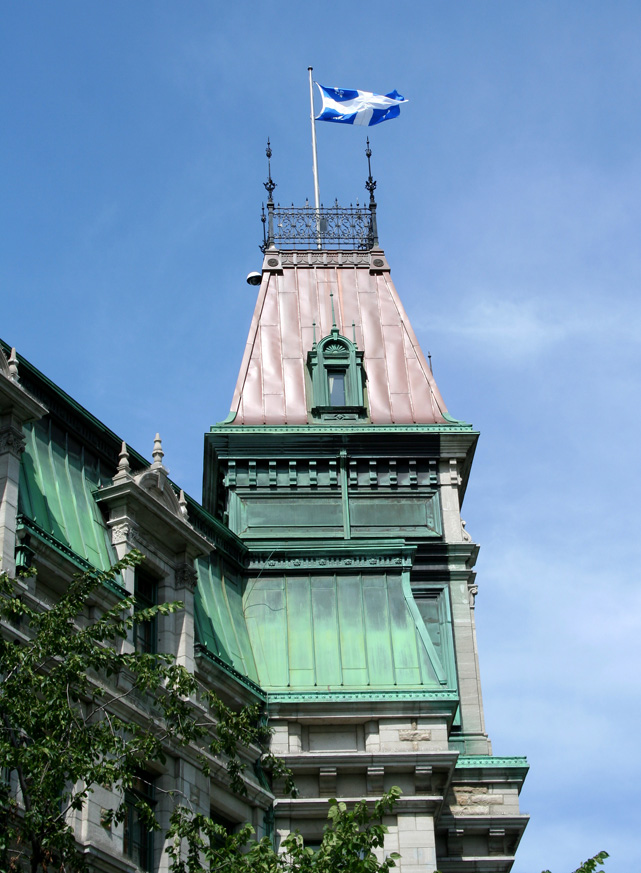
{"points": [[138, 838], [229, 825], [336, 368], [146, 594], [433, 607], [336, 387]]}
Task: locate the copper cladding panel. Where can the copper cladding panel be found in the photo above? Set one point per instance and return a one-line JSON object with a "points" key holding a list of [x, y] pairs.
{"points": [[271, 351], [397, 381], [295, 404], [379, 402], [371, 323], [271, 386]]}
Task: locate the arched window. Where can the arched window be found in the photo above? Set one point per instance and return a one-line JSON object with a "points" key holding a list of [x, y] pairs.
{"points": [[336, 368]]}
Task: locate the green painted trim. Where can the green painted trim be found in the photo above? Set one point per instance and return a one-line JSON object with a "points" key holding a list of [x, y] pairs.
{"points": [[231, 415], [491, 761], [321, 696], [453, 420], [245, 681], [35, 530]]}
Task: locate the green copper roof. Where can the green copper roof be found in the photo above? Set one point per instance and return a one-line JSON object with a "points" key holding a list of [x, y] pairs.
{"points": [[57, 477], [343, 632], [220, 623]]}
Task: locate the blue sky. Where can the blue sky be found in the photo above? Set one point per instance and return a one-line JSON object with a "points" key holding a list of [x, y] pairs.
{"points": [[509, 207]]}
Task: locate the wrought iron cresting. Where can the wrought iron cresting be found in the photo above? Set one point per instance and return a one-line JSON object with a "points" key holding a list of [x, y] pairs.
{"points": [[334, 227]]}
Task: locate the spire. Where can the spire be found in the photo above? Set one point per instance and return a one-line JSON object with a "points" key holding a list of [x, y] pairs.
{"points": [[268, 220], [123, 470], [269, 184], [371, 187], [370, 184], [157, 453]]}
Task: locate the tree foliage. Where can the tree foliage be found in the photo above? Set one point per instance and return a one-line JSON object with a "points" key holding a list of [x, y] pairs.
{"points": [[69, 701], [592, 865], [348, 846]]}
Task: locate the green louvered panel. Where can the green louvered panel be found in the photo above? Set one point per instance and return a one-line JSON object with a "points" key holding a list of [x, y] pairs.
{"points": [[302, 669], [378, 640], [220, 623], [266, 615], [407, 668], [326, 632], [352, 632], [209, 621], [327, 649], [58, 477], [238, 638]]}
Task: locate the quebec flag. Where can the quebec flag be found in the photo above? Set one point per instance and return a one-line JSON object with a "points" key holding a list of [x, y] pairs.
{"points": [[358, 107]]}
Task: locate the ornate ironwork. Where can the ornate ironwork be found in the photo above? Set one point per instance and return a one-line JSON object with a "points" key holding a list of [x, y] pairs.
{"points": [[337, 227]]}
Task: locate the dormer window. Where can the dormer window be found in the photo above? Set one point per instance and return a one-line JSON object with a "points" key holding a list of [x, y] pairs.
{"points": [[336, 368], [336, 380]]}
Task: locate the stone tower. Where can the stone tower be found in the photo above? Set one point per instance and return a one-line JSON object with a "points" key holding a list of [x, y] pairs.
{"points": [[343, 474]]}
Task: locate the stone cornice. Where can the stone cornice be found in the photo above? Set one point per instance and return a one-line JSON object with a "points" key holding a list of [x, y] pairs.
{"points": [[316, 807], [393, 760]]}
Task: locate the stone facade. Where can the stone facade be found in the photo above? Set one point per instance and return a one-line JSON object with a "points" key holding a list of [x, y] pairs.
{"points": [[328, 574]]}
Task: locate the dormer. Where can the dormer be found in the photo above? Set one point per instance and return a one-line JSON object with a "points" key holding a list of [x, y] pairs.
{"points": [[336, 368]]}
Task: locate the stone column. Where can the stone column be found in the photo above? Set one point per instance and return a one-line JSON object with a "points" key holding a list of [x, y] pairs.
{"points": [[463, 590], [12, 444]]}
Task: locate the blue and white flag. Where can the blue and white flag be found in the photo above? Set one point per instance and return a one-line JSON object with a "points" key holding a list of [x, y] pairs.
{"points": [[358, 107]]}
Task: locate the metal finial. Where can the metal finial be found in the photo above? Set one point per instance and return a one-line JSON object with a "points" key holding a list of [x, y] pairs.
{"points": [[429, 358], [269, 184], [370, 184]]}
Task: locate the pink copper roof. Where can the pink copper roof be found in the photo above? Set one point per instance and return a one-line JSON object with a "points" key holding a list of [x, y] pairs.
{"points": [[295, 293]]}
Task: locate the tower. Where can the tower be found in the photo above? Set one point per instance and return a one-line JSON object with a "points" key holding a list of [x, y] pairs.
{"points": [[343, 474]]}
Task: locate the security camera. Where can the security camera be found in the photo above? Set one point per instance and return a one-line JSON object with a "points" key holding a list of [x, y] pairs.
{"points": [[254, 278]]}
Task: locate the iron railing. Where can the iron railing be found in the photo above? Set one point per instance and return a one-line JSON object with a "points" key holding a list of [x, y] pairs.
{"points": [[337, 227]]}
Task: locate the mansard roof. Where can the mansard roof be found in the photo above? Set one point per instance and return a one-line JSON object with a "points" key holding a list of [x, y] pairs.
{"points": [[294, 296]]}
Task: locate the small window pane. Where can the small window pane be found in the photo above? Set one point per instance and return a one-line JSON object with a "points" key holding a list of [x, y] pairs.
{"points": [[145, 632], [336, 388], [429, 608], [137, 838]]}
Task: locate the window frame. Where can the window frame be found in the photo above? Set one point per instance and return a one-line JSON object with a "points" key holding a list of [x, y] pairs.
{"points": [[145, 632], [336, 355], [135, 834]]}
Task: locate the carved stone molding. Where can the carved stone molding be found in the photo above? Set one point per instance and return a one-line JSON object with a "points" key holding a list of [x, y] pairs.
{"points": [[12, 440], [120, 533], [186, 577]]}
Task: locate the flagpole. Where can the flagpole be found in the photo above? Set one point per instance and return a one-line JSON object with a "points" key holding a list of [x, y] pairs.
{"points": [[314, 153]]}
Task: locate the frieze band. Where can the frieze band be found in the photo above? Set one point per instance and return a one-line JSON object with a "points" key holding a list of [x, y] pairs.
{"points": [[327, 562]]}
